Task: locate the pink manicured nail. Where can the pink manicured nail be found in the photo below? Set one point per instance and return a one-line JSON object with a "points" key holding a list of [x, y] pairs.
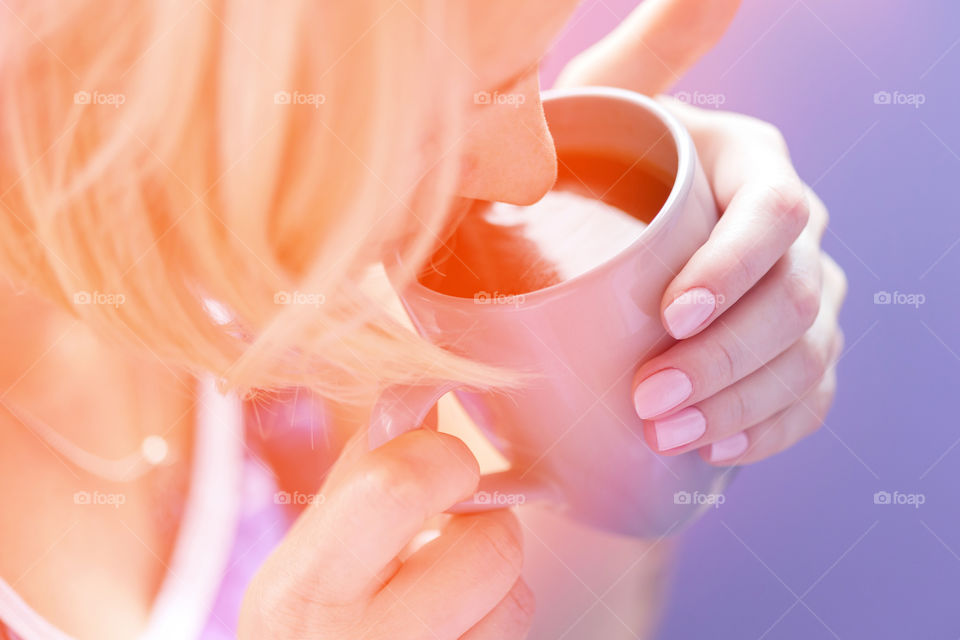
{"points": [[661, 392], [683, 427], [689, 311], [729, 447]]}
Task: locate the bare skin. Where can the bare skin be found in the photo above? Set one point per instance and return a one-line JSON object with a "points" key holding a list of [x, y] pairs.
{"points": [[113, 560], [75, 562], [95, 570]]}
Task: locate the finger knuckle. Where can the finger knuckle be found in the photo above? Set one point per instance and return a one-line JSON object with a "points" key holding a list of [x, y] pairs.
{"points": [[805, 426], [839, 341], [805, 418], [835, 272], [788, 202], [803, 294], [769, 133], [823, 400], [827, 400], [814, 360], [394, 483], [817, 205], [787, 435], [260, 603], [754, 128], [742, 271], [724, 361], [460, 465], [267, 609], [778, 434], [844, 283], [522, 605], [407, 477], [500, 545], [736, 408]]}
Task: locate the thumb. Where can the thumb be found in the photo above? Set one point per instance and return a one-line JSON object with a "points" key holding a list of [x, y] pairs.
{"points": [[653, 47], [359, 443]]}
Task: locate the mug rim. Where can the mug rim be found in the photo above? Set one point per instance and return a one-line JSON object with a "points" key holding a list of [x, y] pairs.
{"points": [[683, 183]]}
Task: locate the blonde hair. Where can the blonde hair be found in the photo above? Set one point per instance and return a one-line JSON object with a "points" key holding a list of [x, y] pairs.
{"points": [[196, 164]]}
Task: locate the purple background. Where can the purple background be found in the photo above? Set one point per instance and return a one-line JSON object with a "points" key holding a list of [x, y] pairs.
{"points": [[800, 550]]}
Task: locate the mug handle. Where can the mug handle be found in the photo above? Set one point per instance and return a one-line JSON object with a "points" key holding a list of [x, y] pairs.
{"points": [[402, 408]]}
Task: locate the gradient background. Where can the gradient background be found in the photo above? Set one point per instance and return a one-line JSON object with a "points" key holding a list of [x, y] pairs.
{"points": [[800, 549]]}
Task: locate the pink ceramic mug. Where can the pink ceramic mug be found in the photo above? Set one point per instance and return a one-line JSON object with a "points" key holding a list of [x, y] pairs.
{"points": [[571, 434]]}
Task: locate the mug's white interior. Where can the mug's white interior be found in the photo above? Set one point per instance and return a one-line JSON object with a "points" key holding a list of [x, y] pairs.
{"points": [[598, 122]]}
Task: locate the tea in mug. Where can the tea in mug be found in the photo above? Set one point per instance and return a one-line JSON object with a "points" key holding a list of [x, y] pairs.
{"points": [[598, 207]]}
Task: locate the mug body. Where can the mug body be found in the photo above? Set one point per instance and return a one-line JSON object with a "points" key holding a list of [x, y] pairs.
{"points": [[581, 340]]}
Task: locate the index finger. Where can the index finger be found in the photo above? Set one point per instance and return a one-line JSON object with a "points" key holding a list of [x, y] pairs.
{"points": [[343, 544], [765, 207]]}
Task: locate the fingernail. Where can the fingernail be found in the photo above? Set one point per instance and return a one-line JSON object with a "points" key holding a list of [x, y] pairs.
{"points": [[689, 311], [683, 427], [661, 392], [729, 447]]}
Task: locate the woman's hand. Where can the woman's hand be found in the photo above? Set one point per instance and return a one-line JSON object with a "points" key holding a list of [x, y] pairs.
{"points": [[755, 309], [346, 569]]}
